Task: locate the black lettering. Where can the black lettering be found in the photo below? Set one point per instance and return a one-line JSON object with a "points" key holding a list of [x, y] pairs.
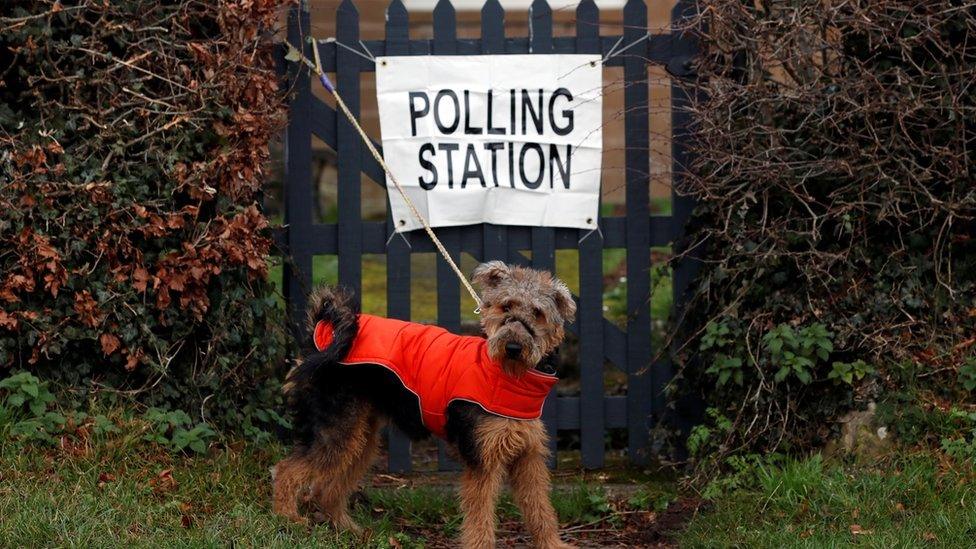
{"points": [[535, 112], [511, 110], [437, 111], [415, 113], [511, 163], [533, 184], [468, 129], [567, 114], [470, 155], [449, 148], [494, 147], [427, 165], [563, 169], [491, 129]]}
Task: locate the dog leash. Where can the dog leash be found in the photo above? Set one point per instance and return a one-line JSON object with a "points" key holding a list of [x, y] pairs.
{"points": [[316, 66]]}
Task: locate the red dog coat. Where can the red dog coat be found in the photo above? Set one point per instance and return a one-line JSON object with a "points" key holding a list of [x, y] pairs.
{"points": [[440, 367]]}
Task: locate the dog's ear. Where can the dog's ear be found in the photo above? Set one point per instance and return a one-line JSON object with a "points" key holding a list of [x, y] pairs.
{"points": [[564, 299], [491, 274]]}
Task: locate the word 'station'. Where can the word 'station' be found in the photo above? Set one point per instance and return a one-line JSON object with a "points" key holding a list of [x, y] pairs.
{"points": [[507, 139]]}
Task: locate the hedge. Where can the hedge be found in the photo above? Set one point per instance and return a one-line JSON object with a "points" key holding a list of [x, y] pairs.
{"points": [[835, 173], [134, 139]]}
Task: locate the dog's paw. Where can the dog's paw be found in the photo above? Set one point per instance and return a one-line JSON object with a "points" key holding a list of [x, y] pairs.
{"points": [[342, 522]]}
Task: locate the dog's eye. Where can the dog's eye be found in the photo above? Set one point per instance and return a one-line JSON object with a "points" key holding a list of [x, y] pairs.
{"points": [[538, 313], [505, 308]]}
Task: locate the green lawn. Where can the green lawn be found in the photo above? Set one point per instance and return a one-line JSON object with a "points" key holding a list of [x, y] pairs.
{"points": [[906, 500], [115, 489]]}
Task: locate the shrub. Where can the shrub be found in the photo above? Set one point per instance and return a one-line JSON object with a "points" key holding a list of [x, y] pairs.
{"points": [[134, 135], [835, 176]]}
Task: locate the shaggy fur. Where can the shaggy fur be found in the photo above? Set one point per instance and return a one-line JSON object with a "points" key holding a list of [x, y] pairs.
{"points": [[339, 412]]}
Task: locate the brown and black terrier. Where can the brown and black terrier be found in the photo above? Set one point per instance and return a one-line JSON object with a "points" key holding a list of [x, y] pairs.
{"points": [[484, 396]]}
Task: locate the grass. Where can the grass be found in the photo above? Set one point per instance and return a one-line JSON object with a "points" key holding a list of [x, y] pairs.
{"points": [[911, 499], [114, 490]]}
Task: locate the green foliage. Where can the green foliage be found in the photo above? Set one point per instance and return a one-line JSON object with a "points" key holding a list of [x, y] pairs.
{"points": [[967, 374], [649, 497], [134, 138], [703, 437], [583, 503], [797, 352], [915, 422], [597, 506], [719, 338], [742, 471], [848, 372], [962, 446], [787, 352], [25, 392], [175, 431], [24, 409]]}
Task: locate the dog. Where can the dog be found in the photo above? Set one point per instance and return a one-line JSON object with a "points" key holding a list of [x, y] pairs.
{"points": [[482, 395]]}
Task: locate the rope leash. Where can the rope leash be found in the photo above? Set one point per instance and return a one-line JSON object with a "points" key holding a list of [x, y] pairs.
{"points": [[316, 66]]}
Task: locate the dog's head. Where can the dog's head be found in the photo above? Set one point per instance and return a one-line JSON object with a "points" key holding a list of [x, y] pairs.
{"points": [[522, 314]]}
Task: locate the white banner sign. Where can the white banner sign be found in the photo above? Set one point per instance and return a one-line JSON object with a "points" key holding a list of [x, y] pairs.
{"points": [[505, 139]]}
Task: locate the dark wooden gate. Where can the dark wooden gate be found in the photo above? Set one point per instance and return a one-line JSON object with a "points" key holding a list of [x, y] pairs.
{"points": [[592, 412]]}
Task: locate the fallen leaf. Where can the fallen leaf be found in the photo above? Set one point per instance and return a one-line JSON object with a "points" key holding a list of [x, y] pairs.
{"points": [[856, 530], [104, 479], [929, 536], [163, 482]]}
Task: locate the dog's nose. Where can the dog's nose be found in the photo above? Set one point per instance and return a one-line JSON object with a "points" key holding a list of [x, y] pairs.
{"points": [[513, 350]]}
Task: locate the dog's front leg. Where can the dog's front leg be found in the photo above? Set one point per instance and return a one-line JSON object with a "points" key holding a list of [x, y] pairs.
{"points": [[531, 490], [479, 491]]}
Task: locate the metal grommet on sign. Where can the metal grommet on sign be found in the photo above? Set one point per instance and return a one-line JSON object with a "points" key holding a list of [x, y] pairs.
{"points": [[402, 222], [592, 63], [383, 62], [589, 220]]}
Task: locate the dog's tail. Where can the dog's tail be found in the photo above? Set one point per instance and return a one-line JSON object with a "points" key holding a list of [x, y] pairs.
{"points": [[330, 309]]}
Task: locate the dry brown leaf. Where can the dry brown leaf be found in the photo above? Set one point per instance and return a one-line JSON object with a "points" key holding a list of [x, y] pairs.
{"points": [[110, 343]]}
